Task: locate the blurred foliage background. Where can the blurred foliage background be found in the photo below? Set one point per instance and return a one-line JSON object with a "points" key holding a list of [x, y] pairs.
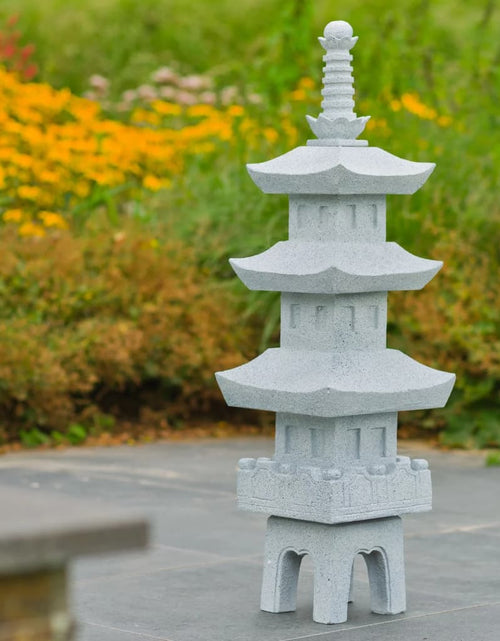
{"points": [[124, 131]]}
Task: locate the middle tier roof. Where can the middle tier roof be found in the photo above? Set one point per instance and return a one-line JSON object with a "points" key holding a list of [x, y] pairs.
{"points": [[334, 268], [341, 383]]}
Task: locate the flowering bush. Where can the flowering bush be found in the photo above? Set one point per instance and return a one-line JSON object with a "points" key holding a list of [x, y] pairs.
{"points": [[59, 153]]}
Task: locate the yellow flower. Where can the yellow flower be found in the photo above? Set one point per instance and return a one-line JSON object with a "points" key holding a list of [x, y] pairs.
{"points": [[48, 176], [376, 123], [200, 111], [235, 111], [55, 147], [81, 189], [28, 192], [143, 116], [152, 183], [298, 95], [166, 108], [444, 121], [412, 103], [52, 219], [13, 215], [307, 83], [31, 229], [22, 160], [270, 134]]}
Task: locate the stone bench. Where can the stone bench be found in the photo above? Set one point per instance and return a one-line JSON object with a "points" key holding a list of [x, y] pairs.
{"points": [[39, 535]]}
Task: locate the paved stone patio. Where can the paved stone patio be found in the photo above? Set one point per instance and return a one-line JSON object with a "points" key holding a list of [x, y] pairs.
{"points": [[200, 581]]}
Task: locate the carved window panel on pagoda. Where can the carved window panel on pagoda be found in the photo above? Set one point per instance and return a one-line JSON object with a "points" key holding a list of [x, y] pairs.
{"points": [[341, 441], [369, 438], [304, 437], [360, 321], [333, 322], [359, 218]]}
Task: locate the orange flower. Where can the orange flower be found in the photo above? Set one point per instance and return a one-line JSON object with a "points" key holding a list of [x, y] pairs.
{"points": [[31, 229]]}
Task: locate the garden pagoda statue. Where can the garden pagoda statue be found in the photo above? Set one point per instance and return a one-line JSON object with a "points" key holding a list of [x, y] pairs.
{"points": [[336, 486]]}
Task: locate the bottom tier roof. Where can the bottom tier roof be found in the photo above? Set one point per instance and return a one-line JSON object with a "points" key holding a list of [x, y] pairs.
{"points": [[335, 383]]}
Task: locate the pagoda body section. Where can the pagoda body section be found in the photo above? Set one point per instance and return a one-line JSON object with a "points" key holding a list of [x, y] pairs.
{"points": [[335, 486]]}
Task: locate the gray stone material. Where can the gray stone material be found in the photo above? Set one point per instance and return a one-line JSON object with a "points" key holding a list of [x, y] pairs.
{"points": [[365, 440], [359, 218], [335, 268], [334, 494], [40, 531], [335, 485], [39, 535], [339, 170], [333, 549], [337, 124], [327, 323], [335, 383]]}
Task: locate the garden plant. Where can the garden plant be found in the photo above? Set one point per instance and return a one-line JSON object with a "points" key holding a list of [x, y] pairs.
{"points": [[124, 129]]}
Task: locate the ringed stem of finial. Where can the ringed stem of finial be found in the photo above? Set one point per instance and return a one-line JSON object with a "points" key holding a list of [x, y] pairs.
{"points": [[337, 122]]}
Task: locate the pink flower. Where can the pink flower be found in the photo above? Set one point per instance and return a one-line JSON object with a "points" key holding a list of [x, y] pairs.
{"points": [[185, 98], [228, 95], [99, 83], [194, 83], [164, 75], [208, 97], [168, 93], [147, 92], [129, 96]]}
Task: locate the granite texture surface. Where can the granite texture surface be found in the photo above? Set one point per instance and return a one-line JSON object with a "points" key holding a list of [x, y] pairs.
{"points": [[332, 549], [334, 273]]}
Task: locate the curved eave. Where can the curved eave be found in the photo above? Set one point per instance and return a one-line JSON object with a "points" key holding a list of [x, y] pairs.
{"points": [[335, 383], [334, 268], [339, 170]]}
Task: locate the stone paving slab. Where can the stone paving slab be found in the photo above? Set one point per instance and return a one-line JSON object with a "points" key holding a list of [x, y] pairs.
{"points": [[200, 581]]}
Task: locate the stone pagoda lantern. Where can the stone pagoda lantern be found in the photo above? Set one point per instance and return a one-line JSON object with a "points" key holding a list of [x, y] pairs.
{"points": [[336, 486]]}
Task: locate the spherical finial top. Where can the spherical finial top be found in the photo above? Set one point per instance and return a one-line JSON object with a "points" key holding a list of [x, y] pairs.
{"points": [[338, 29], [338, 36]]}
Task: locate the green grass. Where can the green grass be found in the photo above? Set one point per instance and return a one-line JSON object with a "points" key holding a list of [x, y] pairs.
{"points": [[440, 48], [493, 458]]}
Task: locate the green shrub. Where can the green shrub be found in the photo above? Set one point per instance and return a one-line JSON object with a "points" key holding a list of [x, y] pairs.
{"points": [[454, 324], [493, 458], [103, 315]]}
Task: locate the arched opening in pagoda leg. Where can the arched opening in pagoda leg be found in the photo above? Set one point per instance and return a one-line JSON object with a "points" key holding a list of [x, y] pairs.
{"points": [[281, 575]]}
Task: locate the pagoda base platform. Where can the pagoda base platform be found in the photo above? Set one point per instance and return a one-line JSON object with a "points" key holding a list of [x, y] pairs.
{"points": [[333, 549], [328, 495]]}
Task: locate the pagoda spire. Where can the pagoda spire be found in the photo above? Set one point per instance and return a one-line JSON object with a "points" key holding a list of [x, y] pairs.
{"points": [[337, 124]]}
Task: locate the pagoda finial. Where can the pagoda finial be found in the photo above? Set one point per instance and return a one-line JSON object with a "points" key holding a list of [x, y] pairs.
{"points": [[337, 124]]}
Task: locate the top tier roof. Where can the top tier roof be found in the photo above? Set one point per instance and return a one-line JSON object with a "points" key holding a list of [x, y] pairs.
{"points": [[339, 170], [336, 162]]}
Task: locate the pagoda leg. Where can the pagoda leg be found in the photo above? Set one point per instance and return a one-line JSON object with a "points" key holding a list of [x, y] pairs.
{"points": [[332, 580], [281, 574], [351, 586], [386, 573], [333, 549]]}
